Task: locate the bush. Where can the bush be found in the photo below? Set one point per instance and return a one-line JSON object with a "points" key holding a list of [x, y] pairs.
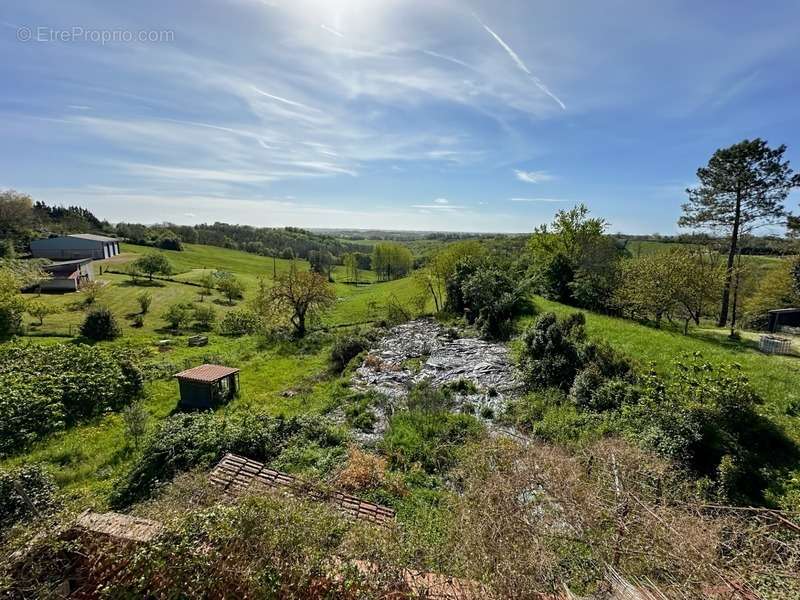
{"points": [[145, 300], [345, 348], [46, 387], [186, 441], [178, 315], [240, 322], [705, 417], [550, 354], [101, 324], [204, 316], [39, 491]]}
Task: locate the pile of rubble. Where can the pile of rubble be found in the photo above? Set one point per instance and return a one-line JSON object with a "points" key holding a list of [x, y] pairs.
{"points": [[424, 350]]}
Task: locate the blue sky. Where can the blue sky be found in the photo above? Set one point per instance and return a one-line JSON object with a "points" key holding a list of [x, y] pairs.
{"points": [[438, 115]]}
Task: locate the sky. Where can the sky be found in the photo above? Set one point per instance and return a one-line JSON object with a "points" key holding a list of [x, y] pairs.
{"points": [[457, 115]]}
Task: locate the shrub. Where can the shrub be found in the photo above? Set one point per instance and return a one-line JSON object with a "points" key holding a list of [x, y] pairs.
{"points": [[363, 471], [178, 315], [145, 300], [101, 324], [702, 415], [550, 353], [240, 322], [39, 497], [345, 348], [45, 387], [186, 441], [204, 316]]}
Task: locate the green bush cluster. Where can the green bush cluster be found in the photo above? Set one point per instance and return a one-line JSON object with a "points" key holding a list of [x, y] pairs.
{"points": [[346, 347], [241, 321], [703, 416], [486, 295], [100, 325], [186, 441], [46, 387], [25, 492]]}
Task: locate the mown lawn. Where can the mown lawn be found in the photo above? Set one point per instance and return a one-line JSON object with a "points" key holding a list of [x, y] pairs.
{"points": [[776, 378]]}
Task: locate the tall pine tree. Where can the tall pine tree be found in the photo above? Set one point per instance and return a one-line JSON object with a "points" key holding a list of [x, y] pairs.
{"points": [[743, 187]]}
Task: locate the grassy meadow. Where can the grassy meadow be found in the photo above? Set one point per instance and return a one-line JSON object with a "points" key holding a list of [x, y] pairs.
{"points": [[281, 381], [87, 458]]}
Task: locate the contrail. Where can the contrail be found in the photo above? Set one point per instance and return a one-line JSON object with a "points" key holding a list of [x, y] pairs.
{"points": [[519, 63], [332, 30], [284, 100], [447, 58]]}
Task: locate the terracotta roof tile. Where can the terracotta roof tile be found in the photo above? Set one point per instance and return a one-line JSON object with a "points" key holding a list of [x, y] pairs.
{"points": [[235, 474], [117, 525], [206, 373]]}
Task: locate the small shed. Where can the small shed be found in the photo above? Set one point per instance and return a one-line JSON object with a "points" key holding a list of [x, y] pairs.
{"points": [[67, 276], [783, 317], [207, 386]]}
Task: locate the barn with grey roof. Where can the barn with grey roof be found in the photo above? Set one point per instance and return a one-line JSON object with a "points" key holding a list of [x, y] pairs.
{"points": [[75, 246]]}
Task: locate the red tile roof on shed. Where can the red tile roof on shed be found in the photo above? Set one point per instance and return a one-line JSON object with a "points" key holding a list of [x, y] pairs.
{"points": [[235, 474], [206, 373]]}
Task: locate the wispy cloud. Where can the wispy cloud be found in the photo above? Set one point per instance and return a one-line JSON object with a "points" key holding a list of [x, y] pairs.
{"points": [[523, 67], [533, 176], [538, 200], [332, 30], [442, 201]]}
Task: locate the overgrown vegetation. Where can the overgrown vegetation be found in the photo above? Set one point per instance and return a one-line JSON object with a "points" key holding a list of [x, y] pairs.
{"points": [[45, 388]]}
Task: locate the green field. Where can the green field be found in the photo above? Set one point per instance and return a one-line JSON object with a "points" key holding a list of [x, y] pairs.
{"points": [[87, 458]]}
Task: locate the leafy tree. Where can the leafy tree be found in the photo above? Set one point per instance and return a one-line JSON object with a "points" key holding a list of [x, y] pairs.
{"points": [[205, 316], [178, 315], [240, 322], [743, 187], [135, 419], [207, 284], [16, 214], [91, 291], [152, 264], [321, 262], [301, 295], [351, 266], [572, 260], [7, 249], [390, 260], [434, 278], [550, 355], [145, 300], [287, 254], [681, 283], [12, 304], [100, 324], [230, 286], [775, 289], [169, 240], [40, 309]]}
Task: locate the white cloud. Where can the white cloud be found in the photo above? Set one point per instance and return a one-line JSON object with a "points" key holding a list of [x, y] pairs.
{"points": [[533, 176], [442, 201]]}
